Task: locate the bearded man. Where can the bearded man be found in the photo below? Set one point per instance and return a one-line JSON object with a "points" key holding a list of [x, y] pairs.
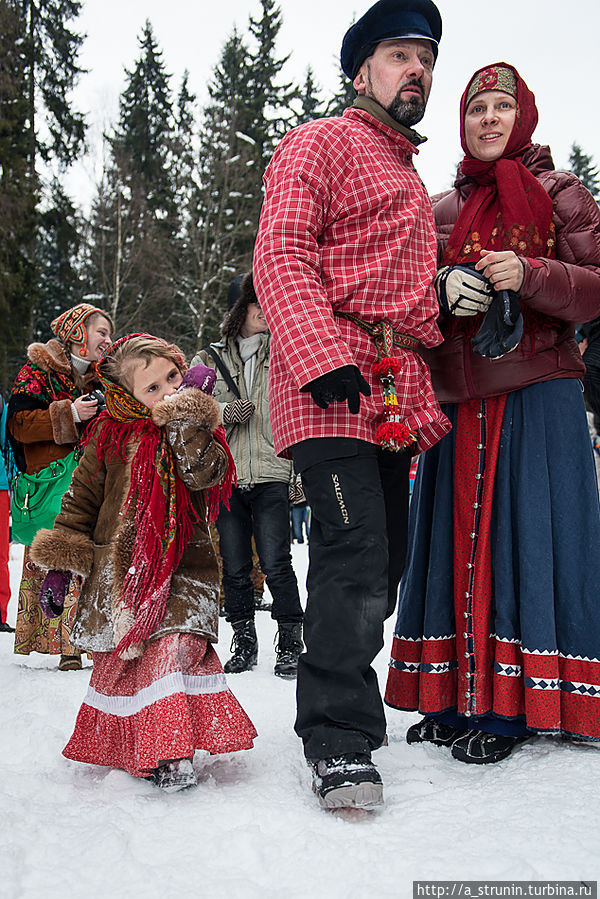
{"points": [[343, 268]]}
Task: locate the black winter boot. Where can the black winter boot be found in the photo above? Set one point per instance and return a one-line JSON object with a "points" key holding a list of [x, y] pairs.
{"points": [[288, 648], [479, 748], [429, 730], [244, 647]]}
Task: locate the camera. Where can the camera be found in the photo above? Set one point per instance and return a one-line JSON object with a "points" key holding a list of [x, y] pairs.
{"points": [[98, 396]]}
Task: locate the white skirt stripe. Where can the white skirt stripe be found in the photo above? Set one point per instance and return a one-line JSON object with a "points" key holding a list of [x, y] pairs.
{"points": [[169, 685]]}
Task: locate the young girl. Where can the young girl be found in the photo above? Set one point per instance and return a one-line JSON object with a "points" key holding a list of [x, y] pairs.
{"points": [[134, 525]]}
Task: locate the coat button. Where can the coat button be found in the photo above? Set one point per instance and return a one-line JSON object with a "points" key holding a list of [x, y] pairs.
{"points": [[469, 565], [480, 446], [466, 614], [467, 713], [467, 655], [478, 476], [480, 415]]}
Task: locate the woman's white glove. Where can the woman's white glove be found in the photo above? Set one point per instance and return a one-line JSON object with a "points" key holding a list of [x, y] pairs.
{"points": [[462, 290]]}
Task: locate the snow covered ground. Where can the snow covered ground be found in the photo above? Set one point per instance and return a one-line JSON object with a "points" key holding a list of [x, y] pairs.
{"points": [[252, 829]]}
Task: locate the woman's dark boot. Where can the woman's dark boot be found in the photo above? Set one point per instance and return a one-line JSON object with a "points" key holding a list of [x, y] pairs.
{"points": [[244, 647], [288, 648], [429, 730], [479, 748]]}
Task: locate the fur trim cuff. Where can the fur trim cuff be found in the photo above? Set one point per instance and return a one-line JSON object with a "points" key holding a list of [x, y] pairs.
{"points": [[63, 550], [189, 405], [64, 429]]}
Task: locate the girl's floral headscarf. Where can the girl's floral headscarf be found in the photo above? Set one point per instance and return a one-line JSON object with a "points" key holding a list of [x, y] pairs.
{"points": [[164, 515]]}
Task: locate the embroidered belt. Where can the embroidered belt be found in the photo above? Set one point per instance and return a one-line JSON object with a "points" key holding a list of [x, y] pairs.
{"points": [[392, 433], [382, 331]]}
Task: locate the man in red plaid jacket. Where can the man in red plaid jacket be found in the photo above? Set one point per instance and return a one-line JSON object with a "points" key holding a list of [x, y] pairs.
{"points": [[344, 265]]}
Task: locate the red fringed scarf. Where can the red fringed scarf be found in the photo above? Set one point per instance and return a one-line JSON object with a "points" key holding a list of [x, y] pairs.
{"points": [[164, 515], [507, 209]]}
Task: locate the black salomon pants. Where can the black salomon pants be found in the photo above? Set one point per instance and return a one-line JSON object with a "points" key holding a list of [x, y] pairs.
{"points": [[358, 495]]}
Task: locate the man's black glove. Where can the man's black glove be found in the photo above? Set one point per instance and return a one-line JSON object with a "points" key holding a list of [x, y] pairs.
{"points": [[502, 328], [345, 383]]}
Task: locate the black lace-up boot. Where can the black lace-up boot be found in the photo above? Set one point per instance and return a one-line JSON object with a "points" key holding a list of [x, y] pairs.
{"points": [[288, 647], [244, 647]]}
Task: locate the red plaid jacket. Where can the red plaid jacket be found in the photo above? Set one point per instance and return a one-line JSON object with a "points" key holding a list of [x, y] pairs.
{"points": [[346, 225]]}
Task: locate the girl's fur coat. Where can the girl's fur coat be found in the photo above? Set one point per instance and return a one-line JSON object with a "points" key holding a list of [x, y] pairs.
{"points": [[92, 538]]}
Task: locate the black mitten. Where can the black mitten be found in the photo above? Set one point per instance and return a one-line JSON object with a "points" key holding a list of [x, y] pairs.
{"points": [[345, 383], [502, 328]]}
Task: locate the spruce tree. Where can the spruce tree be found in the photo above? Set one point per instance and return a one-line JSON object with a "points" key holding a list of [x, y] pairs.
{"points": [[18, 197], [227, 199], [583, 166], [343, 98], [185, 177], [133, 252], [183, 150], [142, 140], [40, 133], [58, 243], [269, 100], [311, 103], [51, 50]]}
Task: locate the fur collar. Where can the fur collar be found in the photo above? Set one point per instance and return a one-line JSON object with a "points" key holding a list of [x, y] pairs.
{"points": [[50, 357]]}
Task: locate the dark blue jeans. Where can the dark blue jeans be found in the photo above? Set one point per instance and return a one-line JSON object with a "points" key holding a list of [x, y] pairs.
{"points": [[262, 511], [299, 516]]}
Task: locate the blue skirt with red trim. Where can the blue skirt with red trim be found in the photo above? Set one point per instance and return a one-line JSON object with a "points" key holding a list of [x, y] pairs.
{"points": [[499, 605]]}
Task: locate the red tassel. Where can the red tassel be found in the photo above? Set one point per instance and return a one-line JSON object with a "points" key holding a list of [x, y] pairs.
{"points": [[387, 366], [395, 433]]}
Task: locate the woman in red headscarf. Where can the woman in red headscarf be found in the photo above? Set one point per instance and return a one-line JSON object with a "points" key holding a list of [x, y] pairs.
{"points": [[49, 408], [498, 636]]}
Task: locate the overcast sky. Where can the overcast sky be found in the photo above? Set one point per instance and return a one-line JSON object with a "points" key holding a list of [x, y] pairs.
{"points": [[554, 44]]}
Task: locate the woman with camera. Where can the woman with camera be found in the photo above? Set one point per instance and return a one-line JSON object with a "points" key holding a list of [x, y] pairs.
{"points": [[53, 398]]}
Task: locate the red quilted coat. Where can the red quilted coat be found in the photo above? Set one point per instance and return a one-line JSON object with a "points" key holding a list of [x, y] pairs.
{"points": [[566, 288]]}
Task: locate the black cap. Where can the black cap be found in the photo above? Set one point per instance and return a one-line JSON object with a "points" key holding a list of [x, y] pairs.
{"points": [[385, 21], [235, 290]]}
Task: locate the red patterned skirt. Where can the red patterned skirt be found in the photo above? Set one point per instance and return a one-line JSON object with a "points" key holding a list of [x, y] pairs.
{"points": [[164, 705]]}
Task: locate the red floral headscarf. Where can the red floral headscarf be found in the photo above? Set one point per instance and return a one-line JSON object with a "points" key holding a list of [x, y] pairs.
{"points": [[508, 209]]}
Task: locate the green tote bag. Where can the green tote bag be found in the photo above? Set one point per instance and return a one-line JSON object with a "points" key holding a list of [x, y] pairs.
{"points": [[37, 497]]}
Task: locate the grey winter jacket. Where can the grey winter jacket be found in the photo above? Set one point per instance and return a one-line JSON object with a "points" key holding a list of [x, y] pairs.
{"points": [[251, 443]]}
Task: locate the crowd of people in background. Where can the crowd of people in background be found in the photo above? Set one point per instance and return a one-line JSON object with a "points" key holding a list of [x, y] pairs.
{"points": [[377, 327]]}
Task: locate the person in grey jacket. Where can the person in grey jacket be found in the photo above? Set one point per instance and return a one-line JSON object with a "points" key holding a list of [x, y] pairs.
{"points": [[259, 504]]}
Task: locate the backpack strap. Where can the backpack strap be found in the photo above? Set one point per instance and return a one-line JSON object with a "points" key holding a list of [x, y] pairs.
{"points": [[210, 350]]}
